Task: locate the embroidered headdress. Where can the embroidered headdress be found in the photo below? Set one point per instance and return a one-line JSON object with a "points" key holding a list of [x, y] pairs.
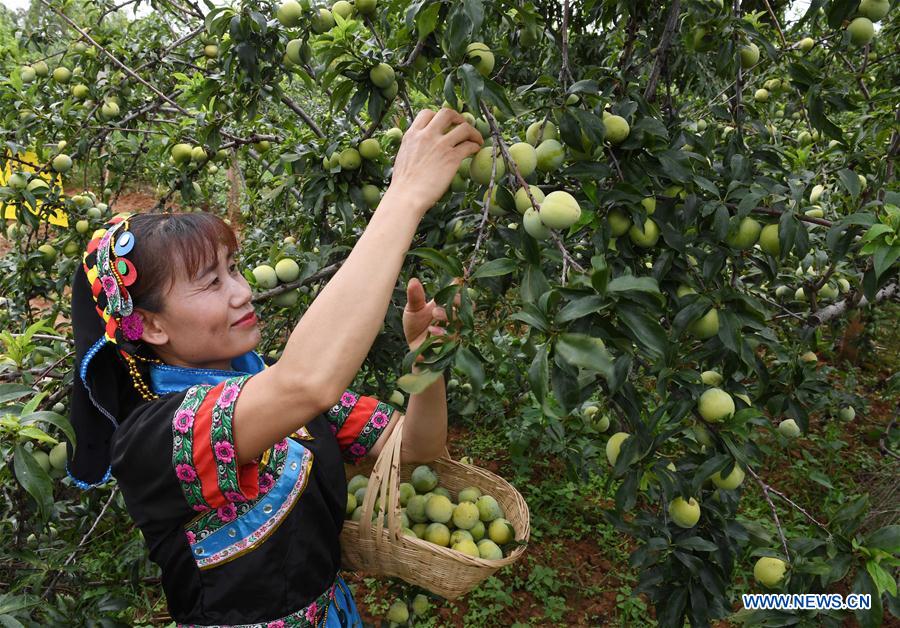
{"points": [[107, 331]]}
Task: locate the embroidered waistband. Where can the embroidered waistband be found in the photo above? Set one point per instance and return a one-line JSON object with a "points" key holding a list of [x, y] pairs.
{"points": [[312, 616]]}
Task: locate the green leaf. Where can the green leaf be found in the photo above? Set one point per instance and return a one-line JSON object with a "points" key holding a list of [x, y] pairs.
{"points": [[884, 257], [10, 603], [626, 283], [53, 419], [882, 579], [414, 383], [534, 284], [586, 87], [886, 538], [472, 84], [33, 403], [875, 231], [820, 478], [438, 260], [8, 621], [34, 479], [458, 32], [8, 392], [426, 20], [496, 95], [689, 314], [697, 543], [534, 316], [709, 466], [468, 363], [570, 131], [868, 618], [538, 373], [600, 276], [645, 330], [850, 181], [815, 567], [584, 351], [670, 612], [37, 434], [838, 11], [495, 268], [580, 307], [816, 109]]}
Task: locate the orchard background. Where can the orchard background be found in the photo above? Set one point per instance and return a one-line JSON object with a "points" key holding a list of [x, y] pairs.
{"points": [[733, 212]]}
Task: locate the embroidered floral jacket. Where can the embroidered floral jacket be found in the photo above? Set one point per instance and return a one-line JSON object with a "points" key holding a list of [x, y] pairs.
{"points": [[253, 544]]}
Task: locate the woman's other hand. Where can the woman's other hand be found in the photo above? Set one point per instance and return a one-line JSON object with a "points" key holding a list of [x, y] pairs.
{"points": [[419, 316], [428, 157]]}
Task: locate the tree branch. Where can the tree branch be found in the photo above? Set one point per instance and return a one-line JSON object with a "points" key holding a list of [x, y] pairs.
{"points": [[293, 106], [165, 51], [84, 539], [565, 73], [324, 273], [121, 65], [520, 180], [801, 217], [842, 307], [765, 489], [662, 51]]}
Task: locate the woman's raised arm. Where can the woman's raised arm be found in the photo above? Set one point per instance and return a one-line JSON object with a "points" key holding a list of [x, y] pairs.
{"points": [[333, 337]]}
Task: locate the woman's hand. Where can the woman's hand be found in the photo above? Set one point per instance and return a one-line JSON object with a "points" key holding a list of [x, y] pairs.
{"points": [[419, 315], [428, 158]]}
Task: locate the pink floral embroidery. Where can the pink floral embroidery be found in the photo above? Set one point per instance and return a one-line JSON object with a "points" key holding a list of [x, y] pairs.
{"points": [[281, 446], [276, 624], [109, 285], [266, 482], [224, 451], [348, 399], [234, 496], [132, 326], [311, 612], [357, 450], [379, 419], [185, 472], [200, 507], [227, 512], [229, 394], [191, 537], [184, 420]]}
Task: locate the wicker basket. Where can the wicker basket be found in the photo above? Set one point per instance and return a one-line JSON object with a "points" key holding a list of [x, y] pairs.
{"points": [[385, 551]]}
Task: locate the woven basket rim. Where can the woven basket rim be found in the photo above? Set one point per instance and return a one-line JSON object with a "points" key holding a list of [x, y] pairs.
{"points": [[386, 471]]}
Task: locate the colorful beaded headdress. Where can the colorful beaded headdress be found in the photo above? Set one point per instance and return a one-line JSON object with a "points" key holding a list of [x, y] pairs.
{"points": [[103, 316]]}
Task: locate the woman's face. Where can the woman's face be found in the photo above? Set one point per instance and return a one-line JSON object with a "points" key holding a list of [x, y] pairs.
{"points": [[204, 322]]}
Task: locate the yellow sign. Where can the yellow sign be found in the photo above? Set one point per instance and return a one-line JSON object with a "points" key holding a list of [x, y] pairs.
{"points": [[31, 164]]}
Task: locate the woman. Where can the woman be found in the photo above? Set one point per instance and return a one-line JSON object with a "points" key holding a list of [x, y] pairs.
{"points": [[231, 469]]}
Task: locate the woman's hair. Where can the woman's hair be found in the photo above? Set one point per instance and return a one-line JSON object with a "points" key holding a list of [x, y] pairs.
{"points": [[169, 244]]}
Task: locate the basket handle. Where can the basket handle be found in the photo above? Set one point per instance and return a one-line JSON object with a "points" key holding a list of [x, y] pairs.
{"points": [[385, 479]]}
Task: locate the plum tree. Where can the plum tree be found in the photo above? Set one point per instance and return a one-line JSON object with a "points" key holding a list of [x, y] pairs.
{"points": [[699, 130]]}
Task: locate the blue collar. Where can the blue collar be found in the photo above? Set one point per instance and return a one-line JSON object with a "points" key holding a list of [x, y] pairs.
{"points": [[165, 378]]}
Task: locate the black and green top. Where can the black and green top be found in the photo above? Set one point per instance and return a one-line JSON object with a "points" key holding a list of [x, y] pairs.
{"points": [[256, 544]]}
